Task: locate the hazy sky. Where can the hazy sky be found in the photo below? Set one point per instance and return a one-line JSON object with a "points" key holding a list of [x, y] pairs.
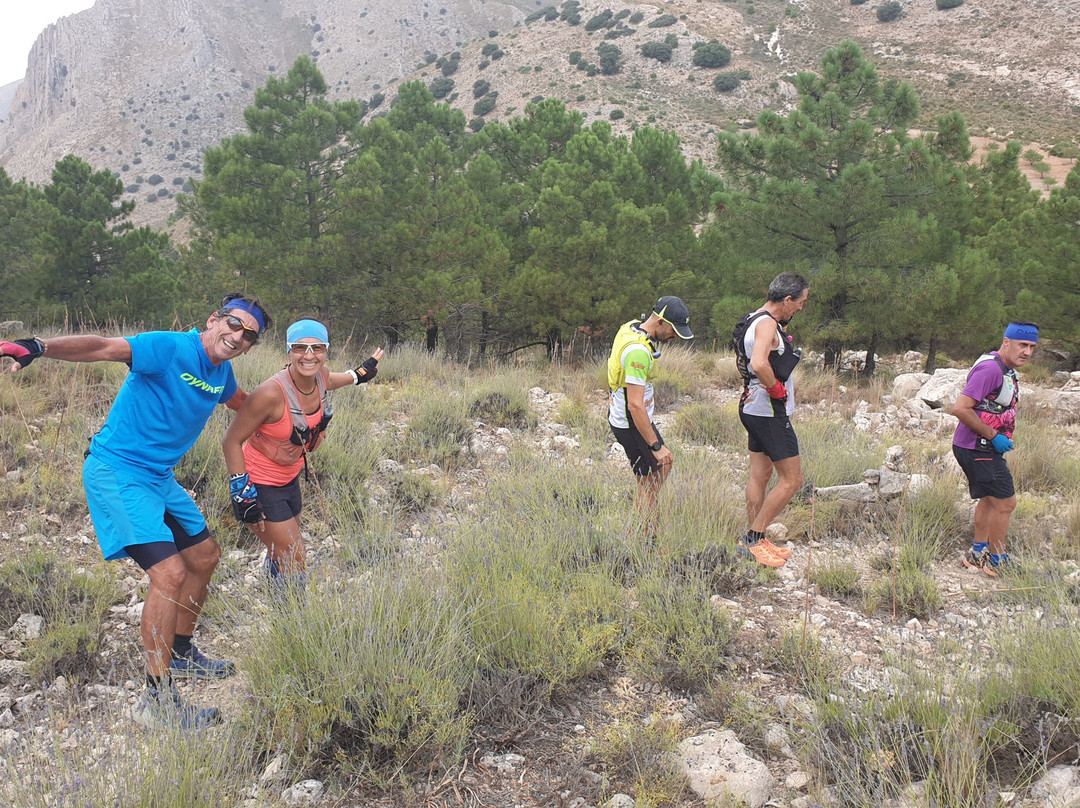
{"points": [[20, 23]]}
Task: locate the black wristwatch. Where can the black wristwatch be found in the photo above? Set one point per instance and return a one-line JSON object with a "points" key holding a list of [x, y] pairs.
{"points": [[656, 446]]}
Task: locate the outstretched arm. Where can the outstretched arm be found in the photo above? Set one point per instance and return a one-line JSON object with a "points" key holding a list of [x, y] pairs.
{"points": [[364, 373], [75, 348]]}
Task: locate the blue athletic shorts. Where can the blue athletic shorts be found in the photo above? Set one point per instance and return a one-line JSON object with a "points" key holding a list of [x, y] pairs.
{"points": [[130, 507]]}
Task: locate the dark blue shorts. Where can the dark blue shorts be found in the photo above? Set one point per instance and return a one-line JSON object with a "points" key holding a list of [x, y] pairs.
{"points": [[987, 473]]}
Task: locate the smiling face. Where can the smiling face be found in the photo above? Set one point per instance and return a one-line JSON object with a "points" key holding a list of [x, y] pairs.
{"points": [[229, 336], [307, 356]]}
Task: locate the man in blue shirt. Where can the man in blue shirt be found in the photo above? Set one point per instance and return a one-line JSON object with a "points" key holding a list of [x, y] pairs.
{"points": [[138, 508]]}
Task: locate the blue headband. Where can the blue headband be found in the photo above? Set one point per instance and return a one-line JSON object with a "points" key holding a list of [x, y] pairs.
{"points": [[302, 329], [1022, 331], [246, 305]]}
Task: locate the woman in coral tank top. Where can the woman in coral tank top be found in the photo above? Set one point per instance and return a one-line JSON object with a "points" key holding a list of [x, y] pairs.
{"points": [[266, 446]]}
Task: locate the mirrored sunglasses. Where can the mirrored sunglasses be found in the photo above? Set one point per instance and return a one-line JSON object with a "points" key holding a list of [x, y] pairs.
{"points": [[236, 324], [317, 348]]}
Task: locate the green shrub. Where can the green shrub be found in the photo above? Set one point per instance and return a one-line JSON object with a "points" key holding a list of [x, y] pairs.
{"points": [[672, 40], [678, 637], [636, 17], [725, 82], [619, 31], [887, 12], [610, 58], [439, 429], [663, 21], [1064, 149], [376, 100], [449, 64], [71, 604], [485, 105], [639, 758], [480, 88], [616, 115], [502, 402], [155, 179], [441, 87], [601, 20], [476, 124], [375, 669], [946, 4], [488, 49], [711, 425], [857, 2], [712, 54], [908, 592], [575, 57], [838, 580], [661, 51]]}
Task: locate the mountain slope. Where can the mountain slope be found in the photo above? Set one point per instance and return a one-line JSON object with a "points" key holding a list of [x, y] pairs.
{"points": [[143, 86]]}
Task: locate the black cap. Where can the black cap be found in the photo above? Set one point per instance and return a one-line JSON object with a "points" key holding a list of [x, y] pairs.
{"points": [[674, 312]]}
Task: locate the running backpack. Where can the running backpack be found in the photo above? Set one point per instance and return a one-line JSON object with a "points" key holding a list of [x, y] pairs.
{"points": [[783, 365]]}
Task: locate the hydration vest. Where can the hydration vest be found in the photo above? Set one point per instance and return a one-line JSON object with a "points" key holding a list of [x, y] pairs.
{"points": [[783, 364], [1006, 396], [303, 439], [629, 334]]}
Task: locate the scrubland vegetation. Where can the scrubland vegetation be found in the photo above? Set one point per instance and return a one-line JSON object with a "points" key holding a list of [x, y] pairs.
{"points": [[464, 595]]}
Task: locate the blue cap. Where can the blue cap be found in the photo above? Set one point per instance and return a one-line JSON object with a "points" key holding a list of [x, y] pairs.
{"points": [[307, 329]]}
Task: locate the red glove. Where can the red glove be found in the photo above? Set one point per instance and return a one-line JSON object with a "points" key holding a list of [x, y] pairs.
{"points": [[777, 390], [23, 351]]}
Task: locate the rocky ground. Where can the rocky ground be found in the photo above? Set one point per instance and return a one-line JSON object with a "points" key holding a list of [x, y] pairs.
{"points": [[545, 760]]}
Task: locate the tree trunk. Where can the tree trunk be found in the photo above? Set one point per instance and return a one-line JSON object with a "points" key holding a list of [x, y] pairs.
{"points": [[431, 335], [931, 356], [554, 344], [871, 360]]}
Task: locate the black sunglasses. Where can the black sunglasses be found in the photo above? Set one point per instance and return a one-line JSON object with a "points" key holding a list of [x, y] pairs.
{"points": [[236, 324]]}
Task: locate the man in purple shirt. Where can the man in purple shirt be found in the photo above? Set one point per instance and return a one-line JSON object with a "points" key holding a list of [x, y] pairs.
{"points": [[986, 410]]}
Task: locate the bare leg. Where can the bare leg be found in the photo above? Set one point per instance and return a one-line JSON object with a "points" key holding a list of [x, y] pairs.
{"points": [[284, 545], [159, 617], [789, 479], [761, 469], [647, 501], [992, 521], [200, 561]]}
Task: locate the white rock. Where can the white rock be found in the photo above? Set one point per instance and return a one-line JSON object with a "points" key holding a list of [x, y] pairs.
{"points": [[906, 385], [1060, 786], [503, 764], [27, 627], [620, 801], [305, 793], [941, 390], [719, 769], [797, 780]]}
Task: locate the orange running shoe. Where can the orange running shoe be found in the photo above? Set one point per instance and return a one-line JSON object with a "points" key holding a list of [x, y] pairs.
{"points": [[779, 552], [758, 552]]}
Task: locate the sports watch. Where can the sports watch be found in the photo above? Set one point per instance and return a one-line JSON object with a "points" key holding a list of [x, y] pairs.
{"points": [[656, 446]]}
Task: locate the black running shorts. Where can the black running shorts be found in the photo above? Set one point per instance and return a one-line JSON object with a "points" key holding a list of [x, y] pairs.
{"points": [[987, 473], [774, 436]]}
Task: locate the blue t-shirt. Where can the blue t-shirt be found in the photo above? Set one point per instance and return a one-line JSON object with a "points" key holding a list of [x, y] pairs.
{"points": [[164, 403]]}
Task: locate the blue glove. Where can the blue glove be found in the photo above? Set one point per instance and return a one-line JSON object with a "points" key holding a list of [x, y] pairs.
{"points": [[1001, 443], [244, 497]]}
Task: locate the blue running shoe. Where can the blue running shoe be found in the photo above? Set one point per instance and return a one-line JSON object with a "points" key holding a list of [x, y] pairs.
{"points": [[196, 665], [164, 708]]}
